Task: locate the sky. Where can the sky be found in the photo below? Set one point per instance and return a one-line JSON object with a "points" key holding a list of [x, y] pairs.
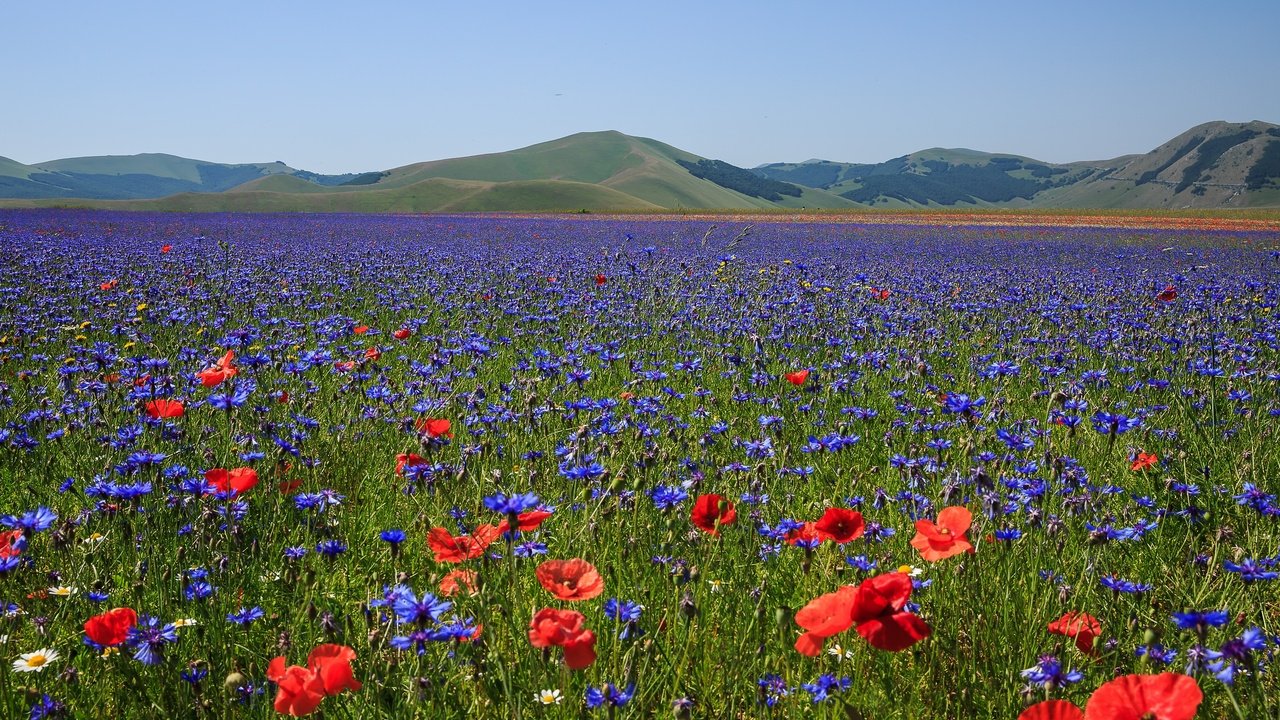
{"points": [[337, 87]]}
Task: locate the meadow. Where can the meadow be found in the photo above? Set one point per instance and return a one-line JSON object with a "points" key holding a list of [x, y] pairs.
{"points": [[395, 466]]}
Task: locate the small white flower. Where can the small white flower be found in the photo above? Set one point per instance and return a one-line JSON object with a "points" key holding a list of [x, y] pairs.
{"points": [[716, 585], [63, 591], [549, 697], [94, 539], [839, 653], [910, 570], [35, 661], [184, 622]]}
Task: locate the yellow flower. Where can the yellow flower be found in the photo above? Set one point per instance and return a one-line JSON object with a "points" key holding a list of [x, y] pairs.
{"points": [[35, 661]]}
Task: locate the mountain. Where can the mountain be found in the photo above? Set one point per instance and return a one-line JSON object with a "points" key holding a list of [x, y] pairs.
{"points": [[1218, 164], [149, 175], [1214, 165]]}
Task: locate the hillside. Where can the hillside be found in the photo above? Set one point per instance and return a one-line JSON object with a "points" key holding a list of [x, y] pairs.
{"points": [[1214, 165]]}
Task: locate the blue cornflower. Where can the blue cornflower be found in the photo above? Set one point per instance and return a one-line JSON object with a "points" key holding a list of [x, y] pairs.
{"points": [[294, 553], [666, 497], [38, 520], [198, 590], [861, 562], [773, 688], [1201, 620], [47, 708], [627, 613], [1124, 586], [393, 536], [409, 609], [609, 694], [1112, 424], [1250, 570], [825, 685], [1050, 673], [529, 549], [244, 616], [511, 505], [331, 548], [194, 675], [148, 639]]}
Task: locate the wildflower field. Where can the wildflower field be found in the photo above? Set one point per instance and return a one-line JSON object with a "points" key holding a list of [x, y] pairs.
{"points": [[384, 467]]}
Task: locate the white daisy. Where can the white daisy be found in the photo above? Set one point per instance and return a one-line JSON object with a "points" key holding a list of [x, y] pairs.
{"points": [[35, 661], [549, 697], [63, 591], [839, 653], [910, 570]]}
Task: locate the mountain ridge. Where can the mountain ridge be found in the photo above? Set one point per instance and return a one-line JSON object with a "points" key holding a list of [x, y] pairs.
{"points": [[1212, 165]]}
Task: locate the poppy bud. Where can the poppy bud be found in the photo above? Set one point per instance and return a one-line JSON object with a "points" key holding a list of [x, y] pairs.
{"points": [[1151, 636], [233, 682], [782, 618]]}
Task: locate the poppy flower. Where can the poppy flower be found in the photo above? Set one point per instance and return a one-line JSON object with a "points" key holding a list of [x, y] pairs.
{"points": [[332, 663], [139, 381], [600, 280], [434, 427], [571, 580], [526, 521], [12, 543], [1083, 627], [806, 535], [404, 460], [109, 285], [165, 249], [626, 395], [157, 409], [1169, 294], [360, 329], [236, 480], [450, 549], [219, 372], [946, 537], [712, 511], [299, 690], [798, 377], [1052, 710], [879, 293], [112, 627], [1167, 696], [372, 353], [402, 334], [840, 525], [455, 580], [824, 616], [1144, 461], [345, 365], [879, 617], [564, 628]]}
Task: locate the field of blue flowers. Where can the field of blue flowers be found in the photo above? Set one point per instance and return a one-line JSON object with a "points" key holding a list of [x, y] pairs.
{"points": [[377, 466]]}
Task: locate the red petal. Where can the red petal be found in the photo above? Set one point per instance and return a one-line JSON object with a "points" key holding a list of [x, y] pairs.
{"points": [[1052, 710], [895, 632], [1167, 696]]}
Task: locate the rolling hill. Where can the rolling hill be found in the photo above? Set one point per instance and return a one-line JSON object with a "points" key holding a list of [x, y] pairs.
{"points": [[1214, 165]]}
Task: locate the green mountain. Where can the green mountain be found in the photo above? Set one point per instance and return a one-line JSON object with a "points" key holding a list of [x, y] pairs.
{"points": [[1217, 164], [1214, 165]]}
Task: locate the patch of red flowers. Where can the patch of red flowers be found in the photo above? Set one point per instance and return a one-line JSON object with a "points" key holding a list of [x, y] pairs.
{"points": [[798, 377], [12, 542], [402, 334], [301, 689], [946, 537], [448, 548], [1144, 461], [564, 628], [234, 481], [112, 627], [874, 608], [434, 427], [570, 580], [840, 525], [1167, 696], [404, 460], [455, 580], [600, 280], [162, 408], [1082, 627], [711, 512], [1169, 294], [164, 249], [220, 371]]}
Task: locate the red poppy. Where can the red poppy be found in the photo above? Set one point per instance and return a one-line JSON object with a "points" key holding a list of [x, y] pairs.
{"points": [[360, 329], [564, 628], [1052, 710], [11, 544], [601, 279], [332, 663], [711, 511], [434, 427], [112, 627], [162, 408], [1144, 461], [282, 397], [402, 334], [526, 521], [879, 617], [165, 248], [345, 366], [299, 690], [219, 372], [946, 537], [450, 549], [806, 534], [1167, 696], [572, 580], [139, 381], [1169, 294], [404, 460], [109, 285], [798, 377], [456, 580], [1081, 626], [626, 395], [840, 525], [824, 616], [372, 353], [236, 480], [880, 294]]}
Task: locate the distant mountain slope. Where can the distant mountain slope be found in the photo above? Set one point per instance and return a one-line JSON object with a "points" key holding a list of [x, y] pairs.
{"points": [[1217, 164]]}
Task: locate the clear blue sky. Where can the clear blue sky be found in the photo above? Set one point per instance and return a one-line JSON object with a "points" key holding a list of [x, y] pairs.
{"points": [[353, 86]]}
